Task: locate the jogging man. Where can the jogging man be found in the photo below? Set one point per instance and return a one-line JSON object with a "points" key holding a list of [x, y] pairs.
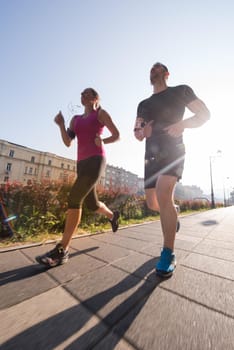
{"points": [[160, 121]]}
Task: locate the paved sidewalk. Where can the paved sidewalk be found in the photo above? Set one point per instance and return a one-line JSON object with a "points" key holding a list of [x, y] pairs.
{"points": [[108, 297]]}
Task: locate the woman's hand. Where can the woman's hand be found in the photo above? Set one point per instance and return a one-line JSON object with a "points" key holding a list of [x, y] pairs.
{"points": [[98, 141], [59, 119], [105, 119]]}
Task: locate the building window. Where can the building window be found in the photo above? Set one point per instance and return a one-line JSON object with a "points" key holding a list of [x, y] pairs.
{"points": [[62, 165], [68, 166], [30, 171], [8, 167], [49, 162], [11, 153], [6, 178], [48, 173], [32, 159]]}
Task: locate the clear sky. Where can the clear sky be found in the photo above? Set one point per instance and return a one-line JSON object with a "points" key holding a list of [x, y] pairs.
{"points": [[52, 49]]}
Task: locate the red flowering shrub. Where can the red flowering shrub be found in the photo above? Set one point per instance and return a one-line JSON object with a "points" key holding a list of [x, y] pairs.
{"points": [[41, 207]]}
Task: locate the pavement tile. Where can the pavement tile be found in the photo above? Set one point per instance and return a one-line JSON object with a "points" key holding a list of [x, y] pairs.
{"points": [[188, 238], [210, 265], [221, 235], [193, 232], [23, 280], [148, 232], [214, 251], [14, 259], [109, 252], [78, 265], [139, 264], [92, 247], [112, 342], [165, 321], [85, 243], [186, 242], [154, 250], [52, 320], [110, 292], [211, 291], [131, 243], [200, 224], [219, 244], [100, 249]]}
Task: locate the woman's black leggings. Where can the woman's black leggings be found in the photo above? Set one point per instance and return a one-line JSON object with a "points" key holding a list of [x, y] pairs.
{"points": [[84, 189]]}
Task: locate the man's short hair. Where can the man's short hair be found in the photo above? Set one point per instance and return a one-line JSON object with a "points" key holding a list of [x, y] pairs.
{"points": [[162, 65]]}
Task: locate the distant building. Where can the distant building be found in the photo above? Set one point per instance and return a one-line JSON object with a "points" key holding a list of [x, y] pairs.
{"points": [[22, 164], [121, 180], [188, 192]]}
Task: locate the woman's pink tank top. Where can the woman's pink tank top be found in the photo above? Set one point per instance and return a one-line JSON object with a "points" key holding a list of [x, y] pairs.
{"points": [[86, 130]]}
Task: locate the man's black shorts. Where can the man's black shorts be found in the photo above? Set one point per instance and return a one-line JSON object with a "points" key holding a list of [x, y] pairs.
{"points": [[164, 161]]}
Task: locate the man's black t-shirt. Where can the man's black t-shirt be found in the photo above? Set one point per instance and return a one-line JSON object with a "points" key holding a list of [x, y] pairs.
{"points": [[164, 108]]}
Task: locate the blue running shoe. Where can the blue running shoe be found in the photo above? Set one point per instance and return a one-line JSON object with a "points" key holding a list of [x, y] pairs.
{"points": [[166, 264]]}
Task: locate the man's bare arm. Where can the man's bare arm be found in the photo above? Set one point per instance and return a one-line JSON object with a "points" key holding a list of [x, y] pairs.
{"points": [[201, 115]]}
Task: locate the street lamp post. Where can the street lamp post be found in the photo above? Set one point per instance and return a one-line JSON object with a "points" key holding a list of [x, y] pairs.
{"points": [[218, 153], [226, 198], [211, 186]]}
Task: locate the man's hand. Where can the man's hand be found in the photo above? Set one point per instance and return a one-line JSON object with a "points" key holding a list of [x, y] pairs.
{"points": [[142, 129], [147, 130], [175, 130]]}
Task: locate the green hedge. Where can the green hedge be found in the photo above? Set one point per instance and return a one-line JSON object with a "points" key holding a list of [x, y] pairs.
{"points": [[41, 207]]}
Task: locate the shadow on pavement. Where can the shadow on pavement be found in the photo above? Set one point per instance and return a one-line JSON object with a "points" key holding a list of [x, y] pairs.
{"points": [[210, 222], [58, 328], [32, 270]]}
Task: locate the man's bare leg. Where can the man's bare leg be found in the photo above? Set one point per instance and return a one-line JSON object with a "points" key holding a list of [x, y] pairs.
{"points": [[168, 215], [151, 199]]}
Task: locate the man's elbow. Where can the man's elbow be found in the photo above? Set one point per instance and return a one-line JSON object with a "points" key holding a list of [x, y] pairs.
{"points": [[206, 115]]}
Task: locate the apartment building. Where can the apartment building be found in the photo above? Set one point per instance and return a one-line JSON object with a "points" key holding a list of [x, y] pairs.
{"points": [[121, 180], [22, 164]]}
